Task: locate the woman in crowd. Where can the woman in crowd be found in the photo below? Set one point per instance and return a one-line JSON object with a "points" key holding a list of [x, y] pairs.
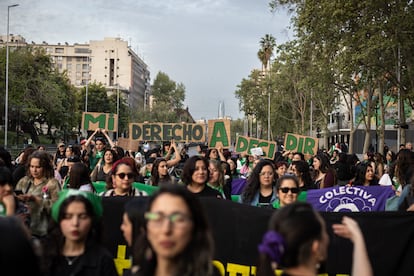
{"points": [[297, 242], [216, 179], [79, 178], [259, 190], [343, 170], [300, 168], [195, 176], [365, 175], [389, 162], [62, 166], [176, 239], [160, 175], [287, 188], [324, 176], [121, 178], [403, 169], [216, 154], [7, 200], [73, 246], [281, 168], [233, 168], [21, 169], [97, 152], [379, 165], [40, 190], [60, 154], [104, 166], [132, 226]]}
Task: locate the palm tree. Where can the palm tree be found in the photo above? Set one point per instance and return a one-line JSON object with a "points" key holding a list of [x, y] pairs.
{"points": [[268, 44]]}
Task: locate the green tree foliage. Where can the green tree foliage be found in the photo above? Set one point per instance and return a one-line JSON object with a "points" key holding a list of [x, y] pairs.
{"points": [[37, 92], [168, 101], [368, 39]]}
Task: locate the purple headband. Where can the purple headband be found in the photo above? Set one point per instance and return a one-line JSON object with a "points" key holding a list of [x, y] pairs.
{"points": [[273, 245]]}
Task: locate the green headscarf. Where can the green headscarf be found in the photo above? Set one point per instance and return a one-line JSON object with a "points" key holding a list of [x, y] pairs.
{"points": [[64, 194]]}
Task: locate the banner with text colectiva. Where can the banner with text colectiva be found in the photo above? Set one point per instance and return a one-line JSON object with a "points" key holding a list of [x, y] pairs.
{"points": [[238, 229]]}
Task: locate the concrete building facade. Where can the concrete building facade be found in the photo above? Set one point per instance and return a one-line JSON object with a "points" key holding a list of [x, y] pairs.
{"points": [[110, 61]]}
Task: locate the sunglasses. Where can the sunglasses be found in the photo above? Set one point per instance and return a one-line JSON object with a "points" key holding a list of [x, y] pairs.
{"points": [[122, 175], [285, 190]]}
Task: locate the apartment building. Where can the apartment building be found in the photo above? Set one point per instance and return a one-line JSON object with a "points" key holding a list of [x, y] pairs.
{"points": [[110, 61]]}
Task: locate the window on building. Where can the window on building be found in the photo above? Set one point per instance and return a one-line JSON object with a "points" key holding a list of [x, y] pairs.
{"points": [[82, 50], [69, 66], [84, 67], [78, 67], [59, 58], [59, 50]]}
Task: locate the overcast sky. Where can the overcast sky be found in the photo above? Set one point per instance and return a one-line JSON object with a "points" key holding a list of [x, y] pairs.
{"points": [[208, 45]]}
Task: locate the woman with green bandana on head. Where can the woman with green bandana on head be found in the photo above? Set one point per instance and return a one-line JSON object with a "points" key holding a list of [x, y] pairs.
{"points": [[73, 243]]}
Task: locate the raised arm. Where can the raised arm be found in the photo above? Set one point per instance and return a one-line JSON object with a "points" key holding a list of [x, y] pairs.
{"points": [[177, 156], [87, 143], [221, 154], [105, 133], [349, 229]]}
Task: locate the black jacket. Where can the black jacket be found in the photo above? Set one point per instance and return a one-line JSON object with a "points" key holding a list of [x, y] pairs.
{"points": [[96, 261]]}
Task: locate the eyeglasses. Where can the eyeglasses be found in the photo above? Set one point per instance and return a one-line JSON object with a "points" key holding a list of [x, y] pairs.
{"points": [[122, 175], [285, 190], [177, 219], [266, 173]]}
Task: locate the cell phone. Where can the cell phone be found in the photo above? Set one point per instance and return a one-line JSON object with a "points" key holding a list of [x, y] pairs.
{"points": [[18, 192]]}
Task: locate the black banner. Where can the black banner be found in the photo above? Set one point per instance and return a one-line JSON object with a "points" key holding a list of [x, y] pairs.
{"points": [[238, 229]]}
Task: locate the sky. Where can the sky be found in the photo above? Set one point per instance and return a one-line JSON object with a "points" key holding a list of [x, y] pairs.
{"points": [[208, 45]]}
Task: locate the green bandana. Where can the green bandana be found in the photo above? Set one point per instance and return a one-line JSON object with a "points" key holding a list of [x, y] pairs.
{"points": [[64, 194]]}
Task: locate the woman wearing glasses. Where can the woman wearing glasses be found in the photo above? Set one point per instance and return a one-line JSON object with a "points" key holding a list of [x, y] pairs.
{"points": [[176, 239], [259, 190], [121, 179], [287, 188]]}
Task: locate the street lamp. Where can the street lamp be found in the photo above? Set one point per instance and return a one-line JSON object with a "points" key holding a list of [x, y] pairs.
{"points": [[6, 101]]}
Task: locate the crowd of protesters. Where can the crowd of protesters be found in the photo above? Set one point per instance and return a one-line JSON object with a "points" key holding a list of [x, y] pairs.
{"points": [[56, 198]]}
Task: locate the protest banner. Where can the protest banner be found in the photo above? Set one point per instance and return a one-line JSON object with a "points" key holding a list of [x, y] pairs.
{"points": [[350, 198], [244, 144], [299, 143], [128, 144], [219, 133], [179, 132], [94, 120], [238, 229]]}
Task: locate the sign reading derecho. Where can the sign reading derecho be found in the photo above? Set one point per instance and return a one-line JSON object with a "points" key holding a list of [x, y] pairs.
{"points": [[180, 132], [219, 132], [298, 143], [244, 144], [94, 120]]}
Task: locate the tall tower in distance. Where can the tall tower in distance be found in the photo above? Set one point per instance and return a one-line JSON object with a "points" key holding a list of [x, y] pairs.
{"points": [[221, 110]]}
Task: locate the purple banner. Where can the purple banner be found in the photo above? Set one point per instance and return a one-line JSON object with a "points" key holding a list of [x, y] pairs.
{"points": [[237, 186], [350, 198]]}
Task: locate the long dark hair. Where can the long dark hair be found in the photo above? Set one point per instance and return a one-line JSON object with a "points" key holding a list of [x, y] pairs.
{"points": [[45, 163], [55, 240], [303, 168], [253, 182], [155, 175], [361, 171], [79, 175], [189, 169], [299, 225], [196, 258]]}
